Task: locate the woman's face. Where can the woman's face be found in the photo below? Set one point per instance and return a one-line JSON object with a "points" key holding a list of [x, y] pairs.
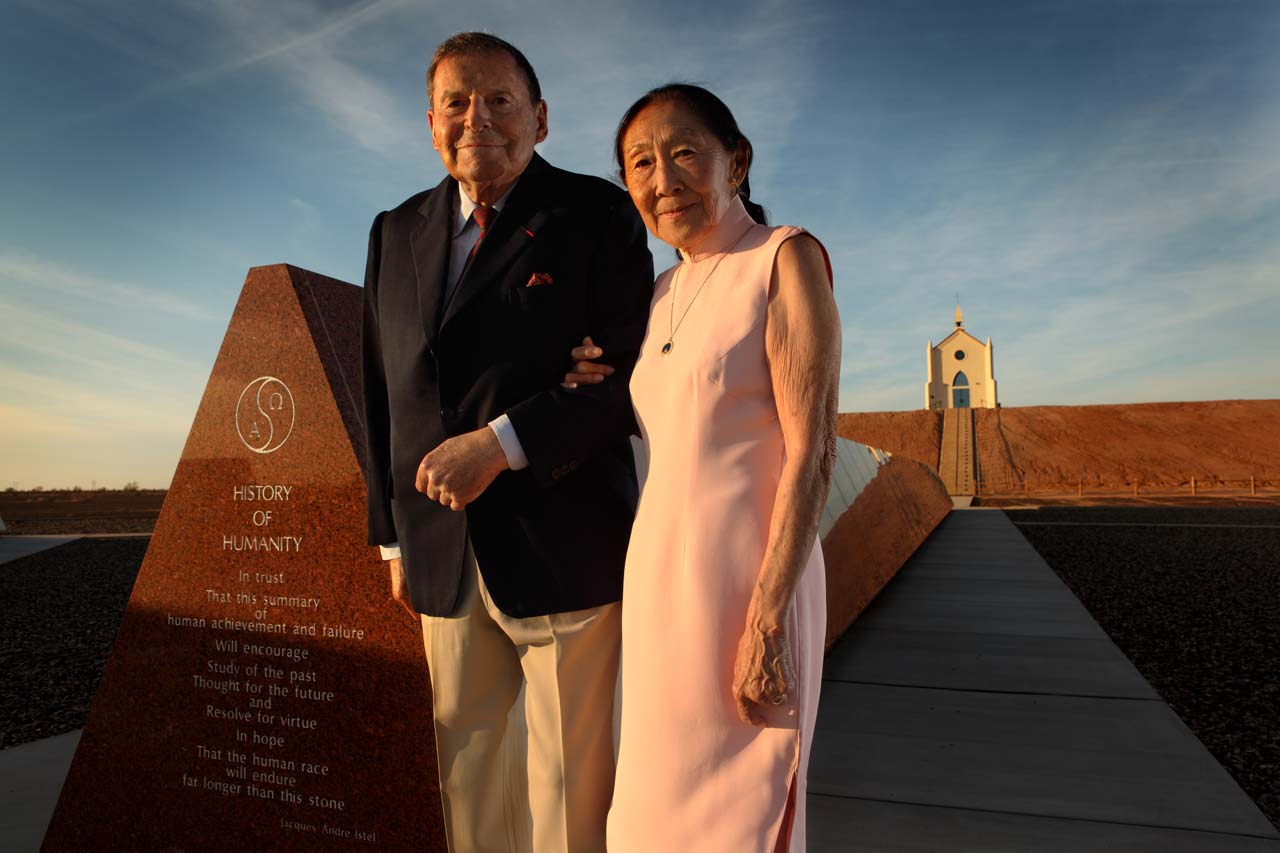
{"points": [[679, 175]]}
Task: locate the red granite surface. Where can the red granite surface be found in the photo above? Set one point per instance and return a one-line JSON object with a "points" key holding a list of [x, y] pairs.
{"points": [[890, 518], [153, 769]]}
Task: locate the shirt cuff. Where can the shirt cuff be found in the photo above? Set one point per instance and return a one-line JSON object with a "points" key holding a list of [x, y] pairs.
{"points": [[511, 447], [390, 552]]}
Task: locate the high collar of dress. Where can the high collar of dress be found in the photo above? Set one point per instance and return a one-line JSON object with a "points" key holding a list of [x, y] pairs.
{"points": [[723, 234]]}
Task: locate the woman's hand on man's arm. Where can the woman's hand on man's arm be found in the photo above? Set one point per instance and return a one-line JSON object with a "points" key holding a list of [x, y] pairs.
{"points": [[583, 371]]}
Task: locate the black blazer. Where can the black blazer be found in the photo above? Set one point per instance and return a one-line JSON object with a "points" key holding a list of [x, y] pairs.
{"points": [[552, 537]]}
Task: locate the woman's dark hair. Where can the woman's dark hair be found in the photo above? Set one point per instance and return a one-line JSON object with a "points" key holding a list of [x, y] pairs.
{"points": [[713, 113]]}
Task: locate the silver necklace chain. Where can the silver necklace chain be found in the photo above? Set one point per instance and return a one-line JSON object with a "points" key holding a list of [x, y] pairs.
{"points": [[673, 325]]}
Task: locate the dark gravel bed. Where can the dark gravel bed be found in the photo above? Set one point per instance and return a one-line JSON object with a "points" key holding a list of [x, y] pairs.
{"points": [[1197, 610], [142, 524], [60, 610]]}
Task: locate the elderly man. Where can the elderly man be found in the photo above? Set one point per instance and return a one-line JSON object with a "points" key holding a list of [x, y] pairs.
{"points": [[503, 501]]}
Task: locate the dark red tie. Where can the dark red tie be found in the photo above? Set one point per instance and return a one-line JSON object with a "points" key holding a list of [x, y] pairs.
{"points": [[483, 217]]}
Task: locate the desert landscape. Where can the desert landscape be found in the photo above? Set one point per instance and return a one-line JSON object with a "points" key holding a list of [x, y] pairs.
{"points": [[80, 511], [1103, 449]]}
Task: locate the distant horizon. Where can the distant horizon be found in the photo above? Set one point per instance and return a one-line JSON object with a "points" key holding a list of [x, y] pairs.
{"points": [[13, 486], [1097, 183]]}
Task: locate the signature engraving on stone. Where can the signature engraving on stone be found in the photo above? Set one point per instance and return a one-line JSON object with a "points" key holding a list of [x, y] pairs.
{"points": [[265, 414]]}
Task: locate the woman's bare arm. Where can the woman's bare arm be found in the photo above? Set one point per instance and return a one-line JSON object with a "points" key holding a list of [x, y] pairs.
{"points": [[802, 344]]}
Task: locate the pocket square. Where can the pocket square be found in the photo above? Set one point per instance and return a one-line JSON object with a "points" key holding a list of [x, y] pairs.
{"points": [[539, 278]]}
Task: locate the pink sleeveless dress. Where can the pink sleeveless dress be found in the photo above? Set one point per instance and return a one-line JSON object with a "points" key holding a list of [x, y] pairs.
{"points": [[691, 775]]}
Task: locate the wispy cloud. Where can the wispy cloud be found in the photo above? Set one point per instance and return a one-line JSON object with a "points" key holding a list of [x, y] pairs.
{"points": [[71, 436], [316, 60], [296, 37], [89, 405], [112, 357], [29, 271], [78, 408]]}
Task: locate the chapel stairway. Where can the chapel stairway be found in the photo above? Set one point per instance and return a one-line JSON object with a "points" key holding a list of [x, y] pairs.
{"points": [[957, 457]]}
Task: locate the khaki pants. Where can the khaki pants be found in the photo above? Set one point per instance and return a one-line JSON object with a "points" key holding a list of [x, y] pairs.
{"points": [[499, 795]]}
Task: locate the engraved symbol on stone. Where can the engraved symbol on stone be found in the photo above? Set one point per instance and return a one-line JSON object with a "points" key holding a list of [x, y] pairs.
{"points": [[265, 414]]}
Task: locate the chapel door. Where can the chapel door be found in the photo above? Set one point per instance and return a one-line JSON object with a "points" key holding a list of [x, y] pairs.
{"points": [[960, 391]]}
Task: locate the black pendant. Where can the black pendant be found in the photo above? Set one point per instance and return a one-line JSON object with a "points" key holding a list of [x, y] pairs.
{"points": [[666, 348]]}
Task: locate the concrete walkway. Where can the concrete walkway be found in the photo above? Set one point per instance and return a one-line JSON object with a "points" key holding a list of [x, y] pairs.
{"points": [[31, 777], [13, 547], [31, 774], [977, 706]]}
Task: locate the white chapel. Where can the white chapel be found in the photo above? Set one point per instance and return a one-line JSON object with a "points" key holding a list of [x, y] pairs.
{"points": [[960, 371]]}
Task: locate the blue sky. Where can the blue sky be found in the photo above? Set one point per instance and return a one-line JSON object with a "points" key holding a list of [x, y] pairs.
{"points": [[1098, 180]]}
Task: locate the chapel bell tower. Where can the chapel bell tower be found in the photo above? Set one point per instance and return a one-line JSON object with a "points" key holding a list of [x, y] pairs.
{"points": [[960, 371]]}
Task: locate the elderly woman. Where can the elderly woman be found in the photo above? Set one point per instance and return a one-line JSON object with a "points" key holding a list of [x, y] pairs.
{"points": [[724, 610]]}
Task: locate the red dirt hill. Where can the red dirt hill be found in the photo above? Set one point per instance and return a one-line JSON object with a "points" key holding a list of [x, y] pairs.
{"points": [[915, 435], [1156, 443]]}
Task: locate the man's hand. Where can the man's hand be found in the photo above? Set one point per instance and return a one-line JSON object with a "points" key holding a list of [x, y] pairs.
{"points": [[582, 370], [461, 468], [399, 588]]}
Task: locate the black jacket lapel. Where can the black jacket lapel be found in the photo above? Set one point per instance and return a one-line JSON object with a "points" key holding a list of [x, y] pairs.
{"points": [[514, 231], [429, 243]]}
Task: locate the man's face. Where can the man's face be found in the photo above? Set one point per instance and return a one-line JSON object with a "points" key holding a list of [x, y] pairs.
{"points": [[483, 122]]}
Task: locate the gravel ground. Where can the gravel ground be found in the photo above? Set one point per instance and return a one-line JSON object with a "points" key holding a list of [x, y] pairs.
{"points": [[60, 609], [1195, 607]]}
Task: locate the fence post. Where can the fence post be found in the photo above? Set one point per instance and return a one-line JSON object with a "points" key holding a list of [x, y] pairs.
{"points": [[1135, 487], [1080, 488], [1193, 487], [1253, 487]]}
